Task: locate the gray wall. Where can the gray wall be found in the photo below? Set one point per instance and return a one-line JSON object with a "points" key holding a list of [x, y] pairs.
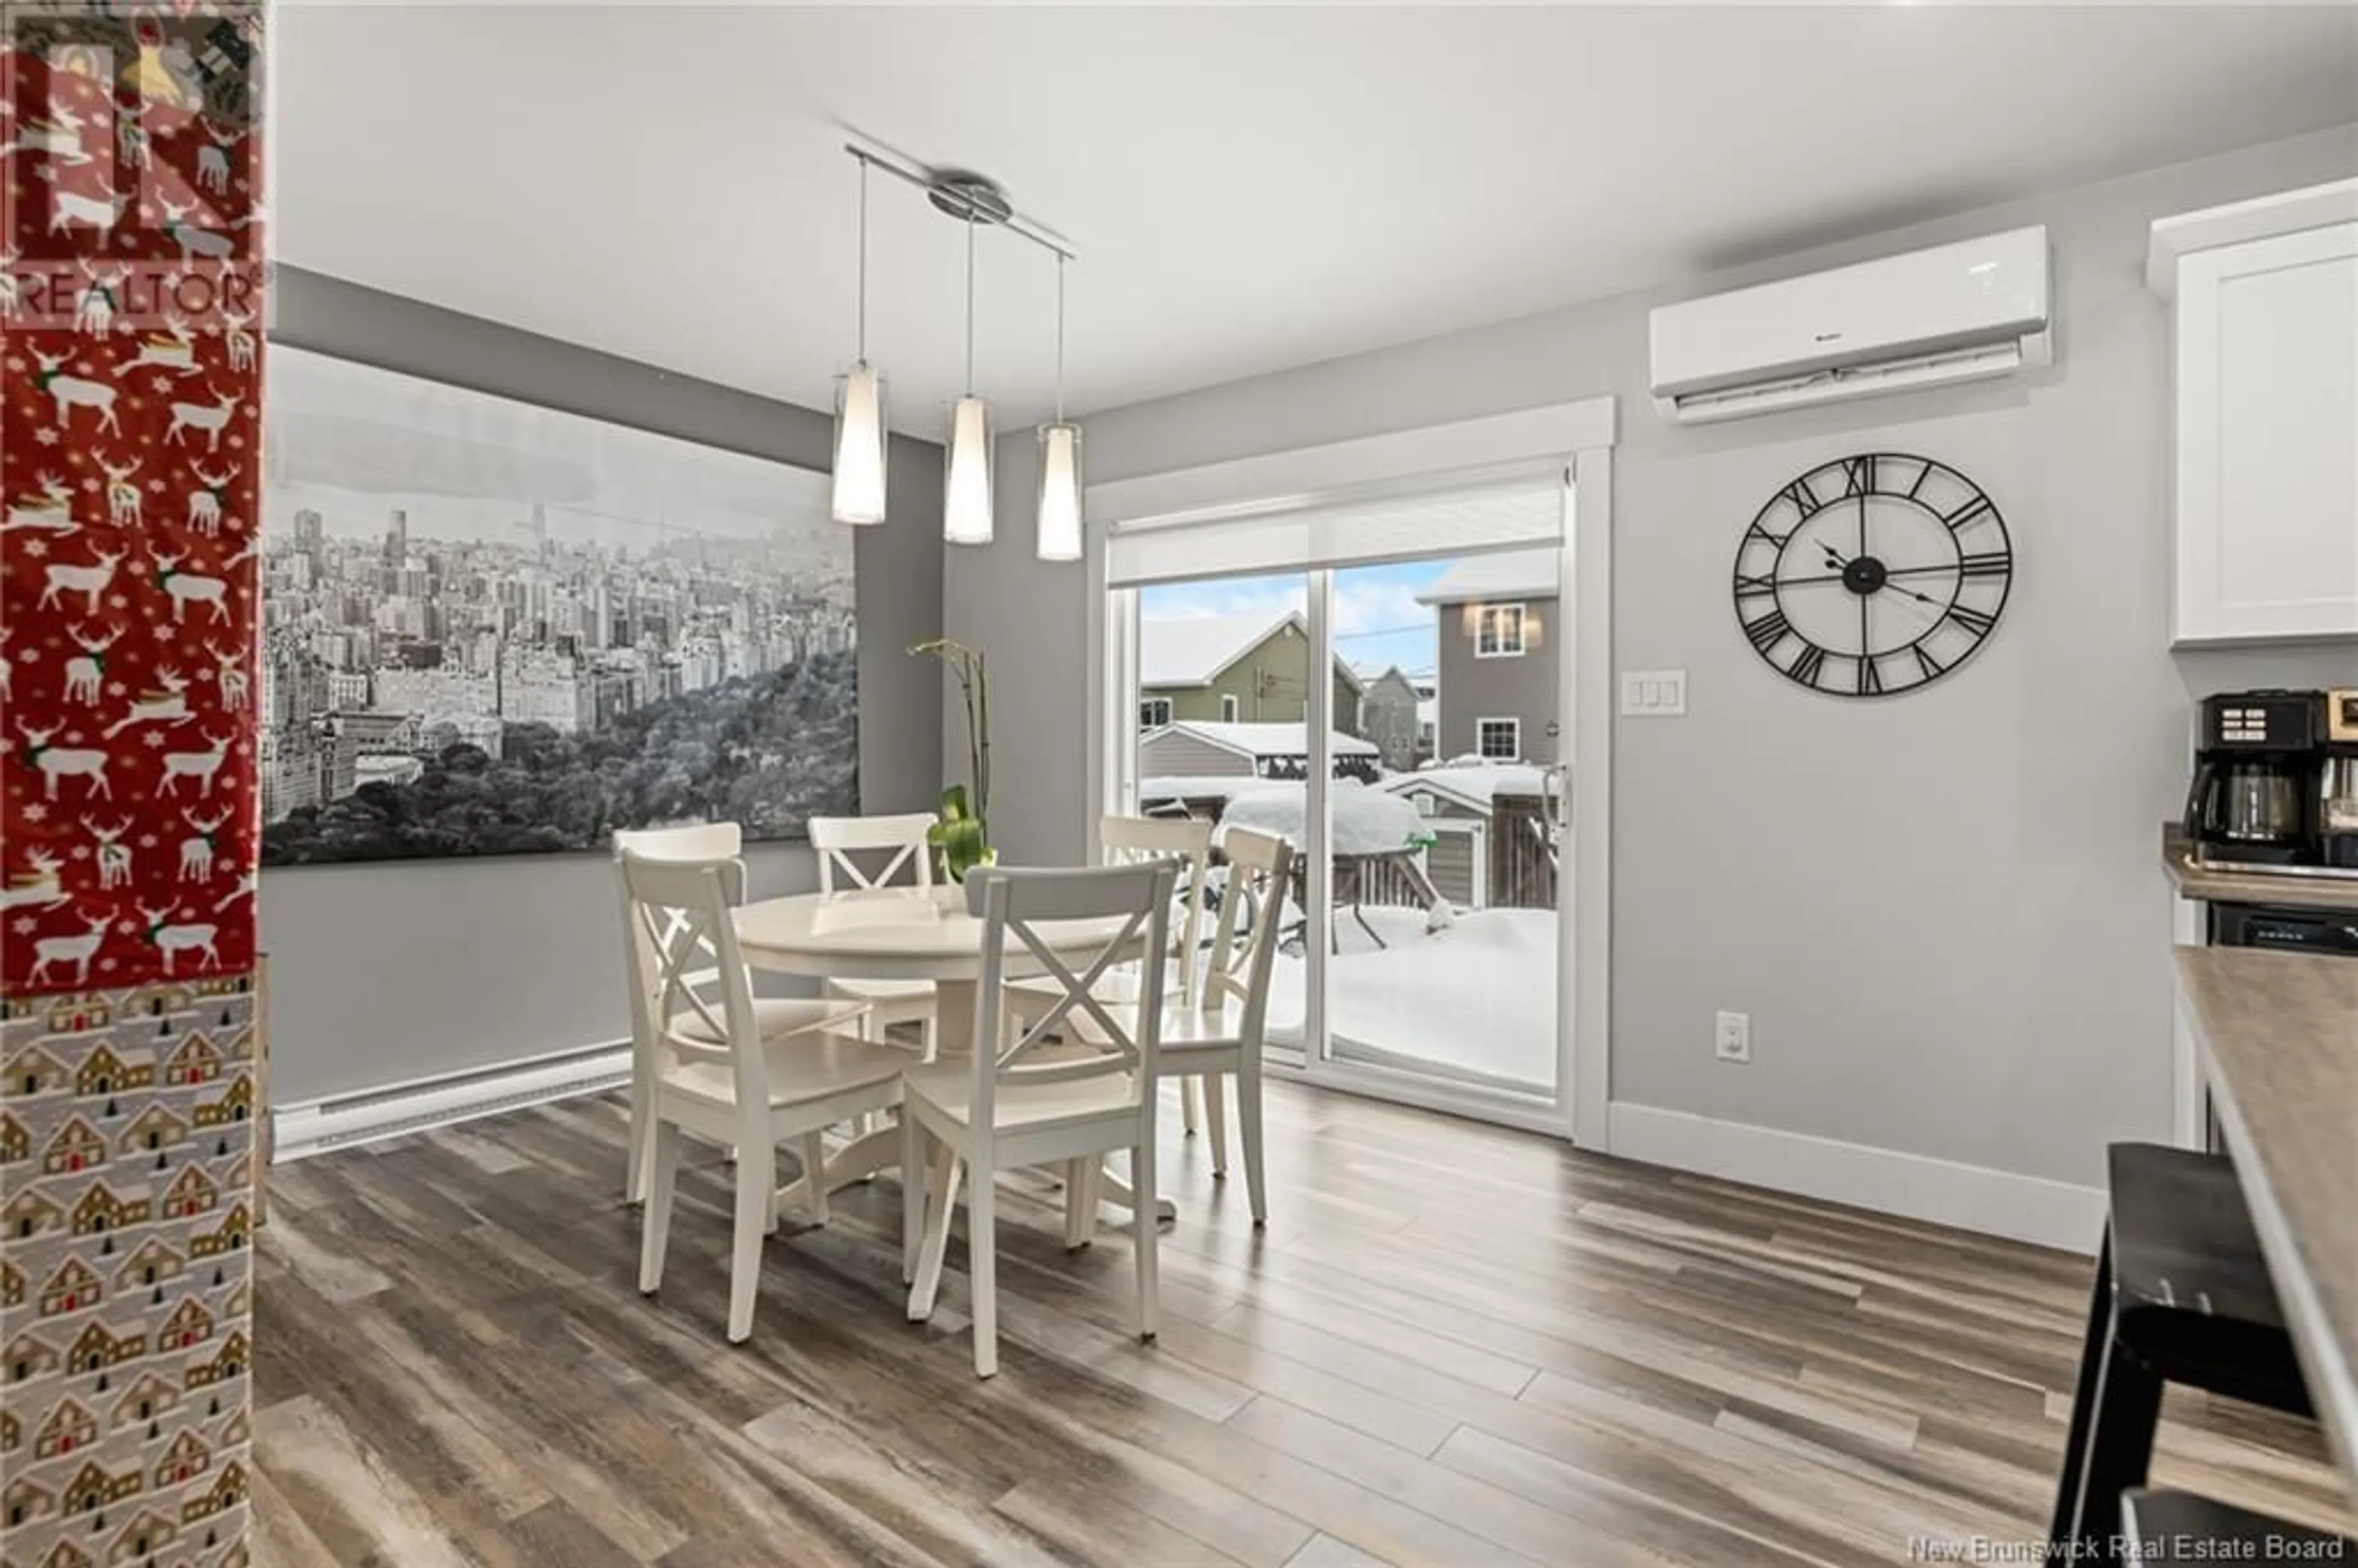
{"points": [[384, 974], [1944, 911], [1474, 688]]}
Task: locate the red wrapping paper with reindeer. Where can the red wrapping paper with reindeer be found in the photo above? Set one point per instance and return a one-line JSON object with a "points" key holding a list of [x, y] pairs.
{"points": [[130, 471]]}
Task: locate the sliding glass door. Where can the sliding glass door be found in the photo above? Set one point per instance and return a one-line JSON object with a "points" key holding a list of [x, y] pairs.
{"points": [[1401, 714], [1442, 821]]}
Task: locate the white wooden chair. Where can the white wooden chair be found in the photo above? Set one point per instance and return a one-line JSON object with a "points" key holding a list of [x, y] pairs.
{"points": [[1016, 1104], [732, 1070], [1218, 1032], [1127, 840], [901, 839], [698, 842]]}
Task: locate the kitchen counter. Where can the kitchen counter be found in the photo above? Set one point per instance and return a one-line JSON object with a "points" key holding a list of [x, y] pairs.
{"points": [[2251, 887], [2277, 1034]]}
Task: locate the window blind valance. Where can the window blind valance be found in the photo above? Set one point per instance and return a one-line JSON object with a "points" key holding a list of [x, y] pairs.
{"points": [[1521, 512]]}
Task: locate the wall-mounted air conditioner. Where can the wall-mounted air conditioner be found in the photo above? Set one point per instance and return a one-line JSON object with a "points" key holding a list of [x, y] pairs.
{"points": [[1960, 312]]}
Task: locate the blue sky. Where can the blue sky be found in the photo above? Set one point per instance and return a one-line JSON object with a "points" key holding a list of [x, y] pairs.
{"points": [[1377, 618]]}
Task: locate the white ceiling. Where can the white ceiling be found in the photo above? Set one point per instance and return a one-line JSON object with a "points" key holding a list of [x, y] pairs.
{"points": [[1249, 189]]}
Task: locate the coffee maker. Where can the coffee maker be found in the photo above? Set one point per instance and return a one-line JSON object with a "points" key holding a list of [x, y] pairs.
{"points": [[2337, 786], [2258, 766]]}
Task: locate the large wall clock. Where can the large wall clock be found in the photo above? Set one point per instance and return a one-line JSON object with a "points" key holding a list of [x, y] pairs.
{"points": [[1873, 575]]}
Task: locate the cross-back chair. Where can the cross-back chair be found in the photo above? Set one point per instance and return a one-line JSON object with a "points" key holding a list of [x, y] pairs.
{"points": [[1127, 840], [719, 1073], [897, 854], [696, 841], [1018, 1102], [1217, 1033]]}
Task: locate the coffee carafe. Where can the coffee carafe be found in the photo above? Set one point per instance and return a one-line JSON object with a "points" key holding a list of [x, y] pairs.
{"points": [[2337, 785]]}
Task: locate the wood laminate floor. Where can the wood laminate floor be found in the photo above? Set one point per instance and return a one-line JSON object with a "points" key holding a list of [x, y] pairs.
{"points": [[1453, 1346]]}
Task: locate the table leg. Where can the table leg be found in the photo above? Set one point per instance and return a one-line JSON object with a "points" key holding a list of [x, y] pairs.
{"points": [[1116, 1191]]}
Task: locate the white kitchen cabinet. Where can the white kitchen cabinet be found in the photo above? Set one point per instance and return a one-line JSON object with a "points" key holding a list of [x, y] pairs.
{"points": [[2267, 415]]}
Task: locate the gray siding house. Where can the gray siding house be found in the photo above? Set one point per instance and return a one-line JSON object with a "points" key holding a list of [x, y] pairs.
{"points": [[1388, 714], [1499, 625]]}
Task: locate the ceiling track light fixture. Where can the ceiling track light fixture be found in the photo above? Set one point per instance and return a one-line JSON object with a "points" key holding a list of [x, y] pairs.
{"points": [[977, 202]]}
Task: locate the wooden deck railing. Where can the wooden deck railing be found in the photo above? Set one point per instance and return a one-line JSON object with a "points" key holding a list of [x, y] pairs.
{"points": [[1522, 853]]}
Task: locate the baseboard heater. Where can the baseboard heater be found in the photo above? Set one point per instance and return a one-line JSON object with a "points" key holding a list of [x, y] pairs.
{"points": [[315, 1127]]}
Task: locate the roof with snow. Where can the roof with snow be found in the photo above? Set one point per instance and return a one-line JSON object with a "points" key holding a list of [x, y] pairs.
{"points": [[1508, 574], [1368, 674], [1195, 650], [1264, 740], [1474, 785], [1192, 650]]}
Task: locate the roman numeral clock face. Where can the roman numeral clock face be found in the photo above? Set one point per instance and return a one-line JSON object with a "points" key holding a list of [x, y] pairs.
{"points": [[1873, 575]]}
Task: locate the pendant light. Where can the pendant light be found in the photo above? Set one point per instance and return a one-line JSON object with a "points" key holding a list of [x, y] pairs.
{"points": [[966, 487], [1060, 460], [859, 497]]}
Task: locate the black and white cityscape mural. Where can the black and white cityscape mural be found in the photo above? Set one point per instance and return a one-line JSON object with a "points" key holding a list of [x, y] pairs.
{"points": [[490, 628]]}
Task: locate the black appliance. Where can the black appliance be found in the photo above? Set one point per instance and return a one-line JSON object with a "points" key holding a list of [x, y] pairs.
{"points": [[2333, 932], [2258, 763]]}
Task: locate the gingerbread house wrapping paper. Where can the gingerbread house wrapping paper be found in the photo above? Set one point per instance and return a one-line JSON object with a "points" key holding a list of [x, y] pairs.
{"points": [[131, 316], [126, 1283]]}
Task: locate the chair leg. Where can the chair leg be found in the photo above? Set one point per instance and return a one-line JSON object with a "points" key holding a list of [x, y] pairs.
{"points": [[2120, 1450], [941, 1207], [930, 1032], [2066, 1522], [912, 1194], [815, 1175], [982, 1265], [1082, 1193], [1188, 1113], [1074, 1196], [654, 1219], [1146, 1229], [634, 1180], [757, 1186], [1249, 1118], [1216, 1118]]}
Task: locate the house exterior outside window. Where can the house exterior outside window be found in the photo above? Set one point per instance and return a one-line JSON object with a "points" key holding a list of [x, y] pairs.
{"points": [[1496, 617], [1501, 739], [1153, 712], [1232, 669], [1498, 631]]}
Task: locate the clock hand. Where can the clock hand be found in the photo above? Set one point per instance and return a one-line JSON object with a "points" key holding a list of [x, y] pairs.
{"points": [[1911, 593], [1835, 559]]}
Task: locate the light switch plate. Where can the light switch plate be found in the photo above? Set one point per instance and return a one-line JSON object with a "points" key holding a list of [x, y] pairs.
{"points": [[1654, 694]]}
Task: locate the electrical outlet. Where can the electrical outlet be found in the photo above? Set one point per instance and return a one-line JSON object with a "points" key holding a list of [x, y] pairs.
{"points": [[1731, 1037]]}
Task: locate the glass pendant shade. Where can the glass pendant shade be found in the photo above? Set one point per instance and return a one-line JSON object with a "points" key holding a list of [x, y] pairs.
{"points": [[860, 445], [965, 494], [1060, 492]]}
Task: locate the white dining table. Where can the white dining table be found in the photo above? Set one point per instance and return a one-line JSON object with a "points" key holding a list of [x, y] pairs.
{"points": [[907, 933]]}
